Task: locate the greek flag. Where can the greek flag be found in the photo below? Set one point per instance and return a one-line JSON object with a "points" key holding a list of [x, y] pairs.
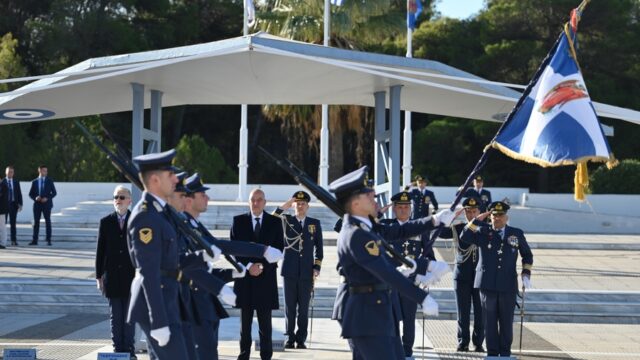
{"points": [[554, 123], [414, 8], [337, 2]]}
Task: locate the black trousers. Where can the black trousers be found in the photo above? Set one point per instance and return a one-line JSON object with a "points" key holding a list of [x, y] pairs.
{"points": [[13, 215], [39, 210], [466, 295], [264, 324], [122, 333]]}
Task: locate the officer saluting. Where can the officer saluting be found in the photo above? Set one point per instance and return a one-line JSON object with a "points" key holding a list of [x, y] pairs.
{"points": [[302, 260], [154, 253], [368, 317], [496, 275]]}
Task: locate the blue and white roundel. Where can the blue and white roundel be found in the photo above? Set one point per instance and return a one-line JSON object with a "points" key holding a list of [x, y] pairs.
{"points": [[25, 114]]}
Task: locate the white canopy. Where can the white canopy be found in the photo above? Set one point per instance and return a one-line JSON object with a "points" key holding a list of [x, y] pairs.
{"points": [[263, 69]]}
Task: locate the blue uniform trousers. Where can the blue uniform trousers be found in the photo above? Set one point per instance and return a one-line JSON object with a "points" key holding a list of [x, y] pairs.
{"points": [[206, 336], [297, 295], [378, 348], [465, 296], [497, 309], [174, 349], [409, 309], [39, 210], [122, 333], [189, 340]]}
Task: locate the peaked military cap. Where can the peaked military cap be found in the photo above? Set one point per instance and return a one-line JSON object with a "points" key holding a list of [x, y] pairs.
{"points": [[470, 202], [353, 183], [478, 178], [302, 196], [194, 184], [402, 197], [499, 207], [180, 186], [156, 161]]}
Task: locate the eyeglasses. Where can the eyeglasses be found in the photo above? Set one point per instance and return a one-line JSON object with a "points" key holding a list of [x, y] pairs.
{"points": [[119, 197]]}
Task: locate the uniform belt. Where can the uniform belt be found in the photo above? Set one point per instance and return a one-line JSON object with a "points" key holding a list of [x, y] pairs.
{"points": [[172, 274], [365, 289]]}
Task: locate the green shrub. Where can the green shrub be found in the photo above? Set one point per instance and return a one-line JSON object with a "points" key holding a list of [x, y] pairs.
{"points": [[194, 155], [622, 179]]}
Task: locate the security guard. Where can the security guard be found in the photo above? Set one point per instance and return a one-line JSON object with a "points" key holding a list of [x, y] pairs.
{"points": [[154, 252], [413, 247], [301, 265], [422, 198], [467, 257], [496, 275], [369, 318], [479, 192]]}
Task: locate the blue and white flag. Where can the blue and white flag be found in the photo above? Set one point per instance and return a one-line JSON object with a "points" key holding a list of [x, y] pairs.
{"points": [[554, 123], [337, 2], [414, 8]]}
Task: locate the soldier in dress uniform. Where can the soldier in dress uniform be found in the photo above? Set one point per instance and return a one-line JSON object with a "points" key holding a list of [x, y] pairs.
{"points": [[479, 192], [154, 253], [496, 274], [369, 318], [422, 198], [301, 265], [467, 257]]}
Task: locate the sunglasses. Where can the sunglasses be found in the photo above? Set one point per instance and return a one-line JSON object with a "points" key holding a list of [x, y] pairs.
{"points": [[119, 197]]}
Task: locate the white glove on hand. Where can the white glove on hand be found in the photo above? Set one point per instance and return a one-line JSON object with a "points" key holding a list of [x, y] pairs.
{"points": [[438, 268], [216, 254], [430, 306], [239, 274], [272, 255], [227, 295], [526, 282], [444, 217], [405, 270], [161, 335]]}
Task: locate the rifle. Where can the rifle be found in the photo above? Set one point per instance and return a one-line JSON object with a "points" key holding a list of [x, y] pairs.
{"points": [[325, 197], [129, 171]]}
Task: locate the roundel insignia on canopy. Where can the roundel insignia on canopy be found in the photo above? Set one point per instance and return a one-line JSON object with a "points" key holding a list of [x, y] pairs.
{"points": [[25, 114]]}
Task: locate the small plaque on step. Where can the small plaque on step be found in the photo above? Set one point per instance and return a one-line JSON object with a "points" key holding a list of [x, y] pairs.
{"points": [[19, 354], [277, 345], [114, 356]]}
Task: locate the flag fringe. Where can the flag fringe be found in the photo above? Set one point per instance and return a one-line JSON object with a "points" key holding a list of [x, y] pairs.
{"points": [[610, 161]]}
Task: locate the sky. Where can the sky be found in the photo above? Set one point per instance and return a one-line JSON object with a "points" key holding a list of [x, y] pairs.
{"points": [[460, 9]]}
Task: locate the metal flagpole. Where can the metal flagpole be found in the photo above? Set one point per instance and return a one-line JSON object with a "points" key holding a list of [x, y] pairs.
{"points": [[244, 132], [407, 134], [323, 176]]}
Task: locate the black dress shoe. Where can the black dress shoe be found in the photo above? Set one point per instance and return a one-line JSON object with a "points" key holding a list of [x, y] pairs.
{"points": [[49, 243], [14, 243], [479, 348], [2, 247], [462, 348], [302, 346], [33, 243], [289, 345]]}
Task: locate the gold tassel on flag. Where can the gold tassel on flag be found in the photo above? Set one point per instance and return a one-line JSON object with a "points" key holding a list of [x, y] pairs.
{"points": [[581, 181]]}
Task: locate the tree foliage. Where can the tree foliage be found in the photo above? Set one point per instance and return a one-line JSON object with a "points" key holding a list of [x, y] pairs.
{"points": [[622, 179], [195, 155]]}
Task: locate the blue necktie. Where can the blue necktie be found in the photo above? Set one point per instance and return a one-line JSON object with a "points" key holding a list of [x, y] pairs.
{"points": [[41, 186], [11, 190]]}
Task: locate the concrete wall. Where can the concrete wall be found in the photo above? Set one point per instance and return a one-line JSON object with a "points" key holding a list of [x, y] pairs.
{"points": [[622, 205]]}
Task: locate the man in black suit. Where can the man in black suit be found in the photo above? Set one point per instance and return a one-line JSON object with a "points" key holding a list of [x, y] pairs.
{"points": [[114, 271], [14, 196], [258, 291], [4, 211], [42, 193]]}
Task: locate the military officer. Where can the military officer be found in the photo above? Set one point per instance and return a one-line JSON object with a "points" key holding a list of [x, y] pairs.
{"points": [[154, 253], [301, 265], [496, 275], [479, 192], [467, 257], [422, 198], [369, 318]]}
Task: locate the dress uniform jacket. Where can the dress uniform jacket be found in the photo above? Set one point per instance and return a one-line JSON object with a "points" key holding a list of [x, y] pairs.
{"points": [[484, 196], [421, 200], [113, 263], [259, 292], [465, 269], [300, 264]]}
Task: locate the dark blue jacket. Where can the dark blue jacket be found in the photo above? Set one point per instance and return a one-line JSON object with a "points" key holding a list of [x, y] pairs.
{"points": [[484, 196], [421, 201], [415, 246], [48, 191], [300, 261], [465, 270], [17, 193]]}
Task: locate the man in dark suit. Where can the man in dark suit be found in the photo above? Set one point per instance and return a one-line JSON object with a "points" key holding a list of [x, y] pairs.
{"points": [[259, 290], [4, 210], [114, 271], [301, 265], [42, 193], [14, 196]]}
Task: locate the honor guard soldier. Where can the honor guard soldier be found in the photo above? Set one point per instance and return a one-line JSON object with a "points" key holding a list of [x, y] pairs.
{"points": [[467, 257], [153, 248], [496, 274], [422, 198], [369, 317], [301, 265], [479, 192]]}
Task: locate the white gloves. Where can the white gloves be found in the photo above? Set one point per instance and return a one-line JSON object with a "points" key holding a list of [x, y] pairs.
{"points": [[272, 255], [161, 335], [526, 282], [239, 274], [444, 217], [216, 254], [405, 270], [227, 295], [430, 306], [436, 270]]}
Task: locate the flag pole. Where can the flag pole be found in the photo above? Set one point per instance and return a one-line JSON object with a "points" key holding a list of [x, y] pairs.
{"points": [[323, 175], [244, 132], [407, 135]]}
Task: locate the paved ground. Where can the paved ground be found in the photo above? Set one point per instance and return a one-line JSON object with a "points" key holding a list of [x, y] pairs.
{"points": [[82, 336]]}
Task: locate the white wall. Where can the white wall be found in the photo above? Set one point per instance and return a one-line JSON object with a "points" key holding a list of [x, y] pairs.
{"points": [[623, 205]]}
